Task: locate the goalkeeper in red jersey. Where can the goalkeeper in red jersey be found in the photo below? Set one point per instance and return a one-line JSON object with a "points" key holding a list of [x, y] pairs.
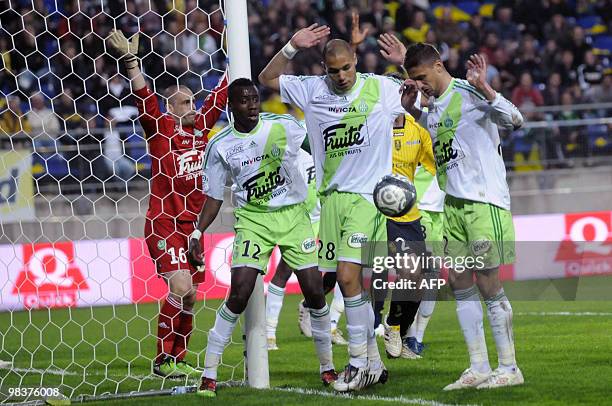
{"points": [[176, 142]]}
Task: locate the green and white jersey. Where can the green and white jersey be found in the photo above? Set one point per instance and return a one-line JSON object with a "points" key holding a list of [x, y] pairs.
{"points": [[464, 130], [349, 134], [429, 195], [312, 203], [262, 164]]}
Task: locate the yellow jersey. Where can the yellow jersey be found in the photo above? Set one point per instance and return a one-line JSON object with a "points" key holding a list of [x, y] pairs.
{"points": [[411, 147]]}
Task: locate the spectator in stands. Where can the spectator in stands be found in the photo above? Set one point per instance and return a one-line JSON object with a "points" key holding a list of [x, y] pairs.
{"points": [[570, 140], [376, 17], [526, 91], [591, 72], [578, 44], [406, 11], [603, 92], [475, 29], [504, 27], [454, 65], [447, 30], [44, 123], [506, 71], [566, 68], [491, 43], [529, 60], [14, 125], [553, 90], [557, 30], [418, 28]]}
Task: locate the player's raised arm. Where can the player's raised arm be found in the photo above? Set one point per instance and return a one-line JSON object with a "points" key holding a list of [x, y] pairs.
{"points": [[146, 101], [392, 49], [127, 50], [303, 39], [503, 112], [357, 35], [215, 102]]}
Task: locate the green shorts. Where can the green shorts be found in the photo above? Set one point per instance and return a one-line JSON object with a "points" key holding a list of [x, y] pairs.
{"points": [[481, 231], [315, 228], [433, 223], [258, 233], [347, 221]]}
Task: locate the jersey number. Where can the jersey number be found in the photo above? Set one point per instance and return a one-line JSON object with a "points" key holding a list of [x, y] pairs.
{"points": [[330, 253], [181, 258], [247, 248]]}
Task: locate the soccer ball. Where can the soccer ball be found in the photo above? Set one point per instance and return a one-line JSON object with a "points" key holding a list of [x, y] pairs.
{"points": [[394, 195]]}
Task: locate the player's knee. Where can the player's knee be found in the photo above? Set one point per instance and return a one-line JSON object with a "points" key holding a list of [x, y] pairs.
{"points": [[238, 299]]}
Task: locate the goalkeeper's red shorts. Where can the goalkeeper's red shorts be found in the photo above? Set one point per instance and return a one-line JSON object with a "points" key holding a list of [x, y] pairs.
{"points": [[168, 241]]}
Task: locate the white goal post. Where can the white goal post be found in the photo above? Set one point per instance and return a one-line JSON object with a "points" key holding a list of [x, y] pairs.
{"points": [[256, 350]]}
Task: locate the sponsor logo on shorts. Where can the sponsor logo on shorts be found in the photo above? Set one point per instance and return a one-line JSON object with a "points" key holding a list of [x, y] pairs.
{"points": [[309, 245], [161, 245], [480, 247], [357, 239]]}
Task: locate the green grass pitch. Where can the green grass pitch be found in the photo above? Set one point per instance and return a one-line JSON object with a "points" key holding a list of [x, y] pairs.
{"points": [[563, 349]]}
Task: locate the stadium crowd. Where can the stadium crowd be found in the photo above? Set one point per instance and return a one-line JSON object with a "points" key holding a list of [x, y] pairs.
{"points": [[60, 88]]}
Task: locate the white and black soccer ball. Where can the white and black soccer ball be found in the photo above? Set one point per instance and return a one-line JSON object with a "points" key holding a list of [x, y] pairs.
{"points": [[394, 195]]}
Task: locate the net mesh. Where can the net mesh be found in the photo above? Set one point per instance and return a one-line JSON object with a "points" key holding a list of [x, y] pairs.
{"points": [[79, 296]]}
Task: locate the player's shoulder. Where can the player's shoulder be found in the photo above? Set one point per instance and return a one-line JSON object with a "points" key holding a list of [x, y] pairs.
{"points": [[464, 87], [309, 80], [220, 138], [281, 118]]}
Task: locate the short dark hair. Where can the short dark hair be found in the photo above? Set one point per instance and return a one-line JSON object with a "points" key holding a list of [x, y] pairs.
{"points": [[420, 54], [336, 47], [238, 84]]}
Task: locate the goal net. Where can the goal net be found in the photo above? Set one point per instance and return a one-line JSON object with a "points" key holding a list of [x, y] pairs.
{"points": [[79, 295]]}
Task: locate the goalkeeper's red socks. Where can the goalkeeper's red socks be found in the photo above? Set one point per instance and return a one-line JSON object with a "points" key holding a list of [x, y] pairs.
{"points": [[167, 327], [182, 335]]}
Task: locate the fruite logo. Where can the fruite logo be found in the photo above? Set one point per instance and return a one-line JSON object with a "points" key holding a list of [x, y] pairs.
{"points": [[50, 277], [586, 248]]}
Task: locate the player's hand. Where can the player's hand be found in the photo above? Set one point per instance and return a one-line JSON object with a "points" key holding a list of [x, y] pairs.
{"points": [[194, 256], [477, 71], [357, 35], [409, 91], [392, 49], [121, 45], [310, 36]]}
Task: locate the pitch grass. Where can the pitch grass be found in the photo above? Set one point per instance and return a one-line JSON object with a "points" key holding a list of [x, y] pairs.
{"points": [[565, 358]]}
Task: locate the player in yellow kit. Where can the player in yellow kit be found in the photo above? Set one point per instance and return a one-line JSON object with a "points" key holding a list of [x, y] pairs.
{"points": [[411, 147]]}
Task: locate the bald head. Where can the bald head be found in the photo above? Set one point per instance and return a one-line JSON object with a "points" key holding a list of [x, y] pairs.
{"points": [[336, 48], [340, 65], [174, 90]]}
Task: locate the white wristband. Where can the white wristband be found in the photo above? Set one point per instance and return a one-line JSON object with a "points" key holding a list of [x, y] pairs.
{"points": [[289, 50], [196, 235]]}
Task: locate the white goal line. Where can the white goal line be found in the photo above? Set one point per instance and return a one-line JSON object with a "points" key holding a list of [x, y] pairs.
{"points": [[374, 398], [563, 314]]}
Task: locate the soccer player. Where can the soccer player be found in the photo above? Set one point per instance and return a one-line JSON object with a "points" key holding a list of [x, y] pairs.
{"points": [[463, 122], [176, 142], [276, 287], [430, 201], [259, 154], [411, 146], [349, 117]]}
